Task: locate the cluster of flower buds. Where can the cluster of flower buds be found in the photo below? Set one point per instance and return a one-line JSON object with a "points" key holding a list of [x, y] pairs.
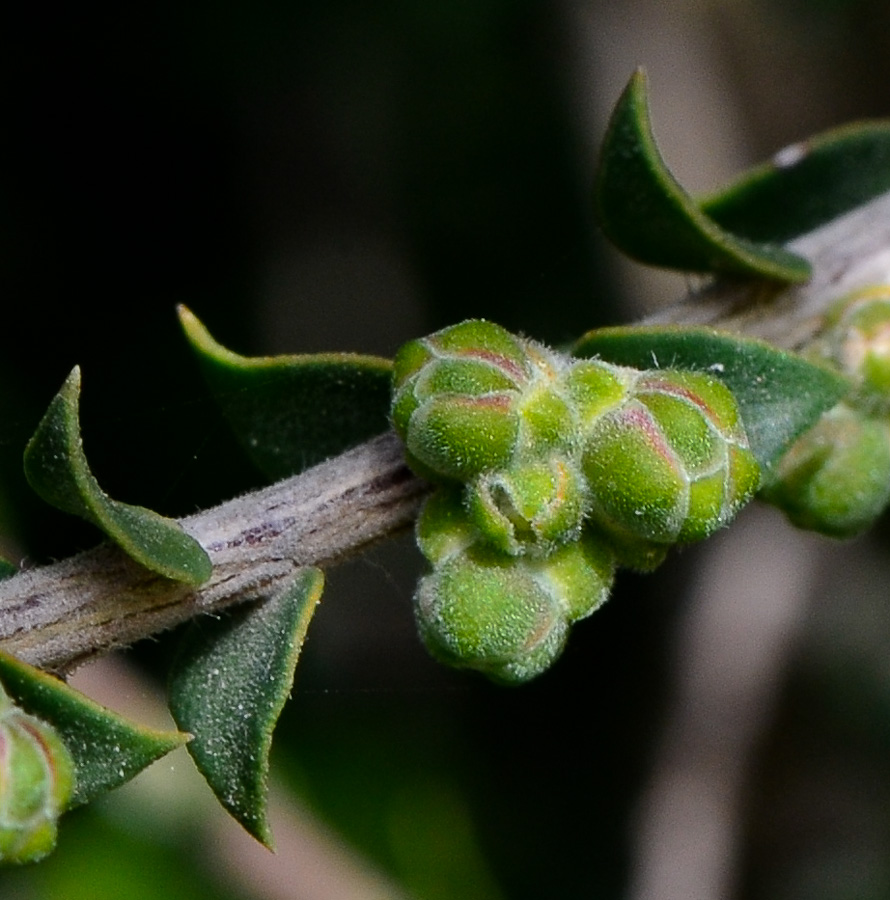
{"points": [[836, 478], [36, 783], [507, 616], [552, 473]]}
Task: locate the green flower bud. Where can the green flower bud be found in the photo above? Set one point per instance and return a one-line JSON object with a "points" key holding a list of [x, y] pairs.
{"points": [[594, 387], [836, 477], [36, 784], [509, 617], [529, 507], [457, 437], [482, 610], [471, 398], [444, 528], [579, 575], [671, 465], [546, 422], [857, 341]]}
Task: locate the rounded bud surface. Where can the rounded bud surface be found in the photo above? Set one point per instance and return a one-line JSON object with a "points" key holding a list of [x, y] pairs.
{"points": [[485, 611], [547, 421], [529, 507], [455, 397], [594, 387], [457, 437], [857, 341], [579, 575], [836, 478], [472, 398], [508, 617], [36, 784], [444, 528], [672, 464]]}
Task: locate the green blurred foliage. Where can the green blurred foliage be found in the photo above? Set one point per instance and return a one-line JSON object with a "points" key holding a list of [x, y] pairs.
{"points": [[98, 860]]}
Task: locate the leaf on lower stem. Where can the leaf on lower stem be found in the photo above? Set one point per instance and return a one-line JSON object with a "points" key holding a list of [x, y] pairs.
{"points": [[57, 469], [291, 412], [647, 214], [108, 749], [228, 687], [780, 395]]}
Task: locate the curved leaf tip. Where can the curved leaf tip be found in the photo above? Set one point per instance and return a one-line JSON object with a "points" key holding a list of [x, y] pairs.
{"points": [[201, 340], [228, 686], [648, 215], [292, 411], [57, 469], [108, 749]]}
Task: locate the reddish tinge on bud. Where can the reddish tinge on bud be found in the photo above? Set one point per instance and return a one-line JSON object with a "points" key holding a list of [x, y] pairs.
{"points": [[672, 464], [36, 783], [473, 398]]}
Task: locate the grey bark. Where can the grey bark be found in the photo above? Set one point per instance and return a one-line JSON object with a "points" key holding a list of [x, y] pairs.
{"points": [[59, 615]]}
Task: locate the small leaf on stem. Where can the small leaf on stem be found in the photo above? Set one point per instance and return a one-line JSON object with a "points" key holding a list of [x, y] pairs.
{"points": [[291, 412], [108, 749], [807, 184], [57, 469], [650, 217], [228, 687]]}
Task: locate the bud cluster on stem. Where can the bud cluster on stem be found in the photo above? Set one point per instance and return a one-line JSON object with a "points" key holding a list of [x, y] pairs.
{"points": [[836, 478], [553, 472]]}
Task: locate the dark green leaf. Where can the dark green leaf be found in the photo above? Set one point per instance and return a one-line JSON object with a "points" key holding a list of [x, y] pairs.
{"points": [[228, 687], [806, 184], [780, 395], [646, 213], [107, 749], [56, 467], [7, 569], [290, 412]]}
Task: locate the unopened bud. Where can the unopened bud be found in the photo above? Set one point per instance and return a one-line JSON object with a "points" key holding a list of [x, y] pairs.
{"points": [[857, 340], [672, 464], [529, 507], [483, 610], [508, 617], [471, 398], [836, 478], [36, 784]]}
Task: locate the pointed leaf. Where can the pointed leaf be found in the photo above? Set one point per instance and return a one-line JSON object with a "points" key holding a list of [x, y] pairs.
{"points": [[646, 213], [228, 687], [56, 467], [290, 412], [780, 395], [807, 184], [107, 749]]}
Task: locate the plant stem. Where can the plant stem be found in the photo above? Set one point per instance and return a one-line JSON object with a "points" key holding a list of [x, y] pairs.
{"points": [[57, 616]]}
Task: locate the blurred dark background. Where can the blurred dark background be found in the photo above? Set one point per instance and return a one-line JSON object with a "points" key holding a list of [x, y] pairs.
{"points": [[344, 176]]}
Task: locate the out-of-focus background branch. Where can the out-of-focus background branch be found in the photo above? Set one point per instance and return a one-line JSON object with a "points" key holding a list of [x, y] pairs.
{"points": [[338, 175]]}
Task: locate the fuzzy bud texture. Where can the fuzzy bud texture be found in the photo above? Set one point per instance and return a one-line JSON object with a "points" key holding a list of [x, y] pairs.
{"points": [[551, 471], [36, 783], [857, 341], [509, 617], [835, 479], [672, 464]]}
